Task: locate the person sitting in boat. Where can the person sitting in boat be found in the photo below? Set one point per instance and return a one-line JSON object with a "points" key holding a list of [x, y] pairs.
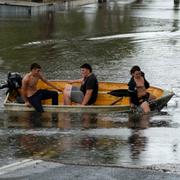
{"points": [[137, 87], [87, 93], [32, 96]]}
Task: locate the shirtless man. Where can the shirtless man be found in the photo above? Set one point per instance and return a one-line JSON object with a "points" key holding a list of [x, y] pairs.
{"points": [[137, 89], [31, 95]]}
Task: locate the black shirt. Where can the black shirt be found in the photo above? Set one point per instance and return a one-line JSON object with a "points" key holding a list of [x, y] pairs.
{"points": [[133, 92], [132, 84], [90, 83]]}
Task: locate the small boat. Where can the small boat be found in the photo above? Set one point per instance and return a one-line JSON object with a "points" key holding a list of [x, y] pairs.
{"points": [[112, 96]]}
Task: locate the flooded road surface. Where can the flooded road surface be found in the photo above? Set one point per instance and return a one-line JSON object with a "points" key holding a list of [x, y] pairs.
{"points": [[113, 37], [110, 139]]}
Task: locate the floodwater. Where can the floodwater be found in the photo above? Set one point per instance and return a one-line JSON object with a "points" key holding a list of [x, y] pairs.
{"points": [[112, 37]]}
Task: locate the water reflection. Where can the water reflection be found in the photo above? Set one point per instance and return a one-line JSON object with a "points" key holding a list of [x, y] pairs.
{"points": [[139, 121], [176, 4], [56, 40], [86, 138], [137, 142], [138, 1], [176, 19]]}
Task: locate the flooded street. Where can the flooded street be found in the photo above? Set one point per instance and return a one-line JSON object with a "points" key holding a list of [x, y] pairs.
{"points": [[112, 37]]}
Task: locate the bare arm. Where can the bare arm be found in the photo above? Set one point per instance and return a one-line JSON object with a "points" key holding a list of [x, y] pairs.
{"points": [[75, 81], [50, 84], [87, 96]]}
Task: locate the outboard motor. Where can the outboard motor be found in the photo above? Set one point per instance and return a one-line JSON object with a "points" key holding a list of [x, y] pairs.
{"points": [[13, 84], [14, 81]]}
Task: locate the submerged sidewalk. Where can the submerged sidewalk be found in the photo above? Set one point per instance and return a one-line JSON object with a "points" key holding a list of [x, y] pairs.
{"points": [[40, 170]]}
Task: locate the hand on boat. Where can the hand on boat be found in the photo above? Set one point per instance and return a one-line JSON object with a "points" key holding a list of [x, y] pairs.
{"points": [[70, 81], [28, 104], [60, 90], [78, 104]]}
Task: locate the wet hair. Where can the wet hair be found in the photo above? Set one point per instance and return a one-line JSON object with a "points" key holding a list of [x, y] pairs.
{"points": [[35, 66], [86, 66], [135, 68]]}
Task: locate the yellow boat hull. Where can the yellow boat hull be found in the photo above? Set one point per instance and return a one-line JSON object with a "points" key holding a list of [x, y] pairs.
{"points": [[103, 104]]}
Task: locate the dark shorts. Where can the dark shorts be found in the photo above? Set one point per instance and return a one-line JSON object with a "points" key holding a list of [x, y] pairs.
{"points": [[143, 98]]}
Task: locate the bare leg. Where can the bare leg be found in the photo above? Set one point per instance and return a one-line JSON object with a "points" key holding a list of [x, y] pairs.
{"points": [[67, 94], [145, 107]]}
